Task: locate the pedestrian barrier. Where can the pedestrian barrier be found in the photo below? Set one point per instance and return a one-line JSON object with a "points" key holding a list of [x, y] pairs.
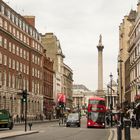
{"points": [[127, 133], [119, 132]]}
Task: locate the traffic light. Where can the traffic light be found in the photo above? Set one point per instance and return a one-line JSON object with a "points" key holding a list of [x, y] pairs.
{"points": [[24, 95]]}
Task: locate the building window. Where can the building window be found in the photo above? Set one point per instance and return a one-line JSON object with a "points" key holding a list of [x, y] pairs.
{"points": [[0, 58], [17, 48], [27, 69], [8, 14], [33, 58], [20, 52], [10, 46], [2, 9], [10, 64], [1, 22], [12, 17], [9, 82], [13, 50], [0, 40], [5, 60], [20, 67], [17, 66], [28, 56], [10, 28], [21, 36], [4, 78], [5, 25], [24, 68], [14, 31], [17, 34], [13, 65], [32, 71], [13, 81], [24, 54], [5, 43]]}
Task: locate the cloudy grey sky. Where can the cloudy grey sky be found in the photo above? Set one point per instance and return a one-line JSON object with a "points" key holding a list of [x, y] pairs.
{"points": [[78, 24]]}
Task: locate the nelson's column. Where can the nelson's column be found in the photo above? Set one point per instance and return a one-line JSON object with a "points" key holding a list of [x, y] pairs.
{"points": [[100, 91]]}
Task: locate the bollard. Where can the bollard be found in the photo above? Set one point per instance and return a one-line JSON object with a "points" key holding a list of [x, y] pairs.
{"points": [[127, 133], [119, 132], [30, 126]]}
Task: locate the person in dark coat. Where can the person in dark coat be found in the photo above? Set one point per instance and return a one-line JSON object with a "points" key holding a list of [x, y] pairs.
{"points": [[137, 112], [133, 121]]}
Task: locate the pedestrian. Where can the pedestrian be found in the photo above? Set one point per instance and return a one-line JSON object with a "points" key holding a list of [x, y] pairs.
{"points": [[133, 121], [107, 120], [137, 113]]}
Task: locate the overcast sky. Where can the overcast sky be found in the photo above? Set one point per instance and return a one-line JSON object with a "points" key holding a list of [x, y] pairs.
{"points": [[78, 24]]}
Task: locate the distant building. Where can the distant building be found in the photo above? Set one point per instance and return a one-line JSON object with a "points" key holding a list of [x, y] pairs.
{"points": [[63, 74], [81, 94]]}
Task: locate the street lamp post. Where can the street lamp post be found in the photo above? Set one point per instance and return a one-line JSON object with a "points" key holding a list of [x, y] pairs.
{"points": [[111, 104], [121, 88]]}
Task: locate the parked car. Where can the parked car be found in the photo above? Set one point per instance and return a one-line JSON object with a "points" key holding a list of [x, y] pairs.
{"points": [[73, 119], [6, 120]]}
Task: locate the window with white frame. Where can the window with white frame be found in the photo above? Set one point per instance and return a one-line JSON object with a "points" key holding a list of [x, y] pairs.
{"points": [[14, 31], [17, 50], [2, 9], [5, 60], [13, 81], [32, 71], [5, 25], [20, 23], [21, 36], [10, 47], [24, 54], [18, 34], [21, 52], [24, 39], [4, 78], [9, 81], [0, 58], [28, 56], [20, 67], [13, 50], [8, 14], [24, 68], [13, 65], [33, 58], [12, 17], [27, 69], [33, 86], [17, 66], [0, 40], [10, 62], [10, 28], [5, 43]]}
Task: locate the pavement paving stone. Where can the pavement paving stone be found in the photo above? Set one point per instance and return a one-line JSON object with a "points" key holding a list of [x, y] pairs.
{"points": [[16, 133]]}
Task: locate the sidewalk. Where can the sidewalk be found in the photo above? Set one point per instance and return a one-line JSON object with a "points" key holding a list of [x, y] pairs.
{"points": [[135, 134], [16, 133], [36, 121]]}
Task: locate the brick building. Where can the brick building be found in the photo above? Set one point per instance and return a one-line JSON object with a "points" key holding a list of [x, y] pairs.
{"points": [[20, 62]]}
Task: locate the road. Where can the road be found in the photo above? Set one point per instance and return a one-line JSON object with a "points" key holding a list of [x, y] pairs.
{"points": [[52, 131]]}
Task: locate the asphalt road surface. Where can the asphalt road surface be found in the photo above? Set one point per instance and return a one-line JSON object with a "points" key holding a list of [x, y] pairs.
{"points": [[52, 131]]}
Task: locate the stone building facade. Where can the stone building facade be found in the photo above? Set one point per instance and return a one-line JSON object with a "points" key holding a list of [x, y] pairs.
{"points": [[124, 30], [20, 63], [63, 75]]}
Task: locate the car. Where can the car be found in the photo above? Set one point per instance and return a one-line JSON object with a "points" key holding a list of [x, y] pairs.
{"points": [[73, 119], [6, 120]]}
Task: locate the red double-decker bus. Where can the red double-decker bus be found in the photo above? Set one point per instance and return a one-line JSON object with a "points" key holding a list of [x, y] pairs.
{"points": [[96, 112]]}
